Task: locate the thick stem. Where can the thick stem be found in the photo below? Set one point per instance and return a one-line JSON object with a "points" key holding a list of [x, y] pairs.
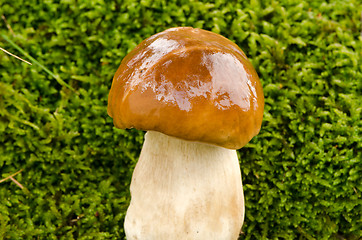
{"points": [[185, 190]]}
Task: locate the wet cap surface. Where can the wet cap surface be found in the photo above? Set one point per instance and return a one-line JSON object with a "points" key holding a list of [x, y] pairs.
{"points": [[191, 84]]}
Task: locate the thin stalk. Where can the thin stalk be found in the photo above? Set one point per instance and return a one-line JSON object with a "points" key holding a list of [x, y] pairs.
{"points": [[35, 62], [2, 49]]}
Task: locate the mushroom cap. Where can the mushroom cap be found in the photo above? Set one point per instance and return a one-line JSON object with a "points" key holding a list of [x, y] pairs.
{"points": [[191, 84]]}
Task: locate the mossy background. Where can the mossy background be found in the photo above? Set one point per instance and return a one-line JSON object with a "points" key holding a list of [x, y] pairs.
{"points": [[301, 174]]}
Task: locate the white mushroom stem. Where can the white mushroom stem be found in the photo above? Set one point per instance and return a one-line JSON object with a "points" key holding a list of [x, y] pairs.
{"points": [[185, 190]]}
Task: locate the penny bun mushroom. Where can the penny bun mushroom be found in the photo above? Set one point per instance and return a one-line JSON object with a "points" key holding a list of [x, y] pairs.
{"points": [[200, 99]]}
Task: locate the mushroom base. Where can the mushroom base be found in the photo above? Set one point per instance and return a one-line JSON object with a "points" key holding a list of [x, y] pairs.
{"points": [[185, 190]]}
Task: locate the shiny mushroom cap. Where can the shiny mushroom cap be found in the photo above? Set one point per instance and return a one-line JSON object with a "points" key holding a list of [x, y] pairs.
{"points": [[191, 84]]}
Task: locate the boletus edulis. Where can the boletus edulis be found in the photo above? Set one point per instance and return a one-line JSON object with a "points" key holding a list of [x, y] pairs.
{"points": [[199, 99]]}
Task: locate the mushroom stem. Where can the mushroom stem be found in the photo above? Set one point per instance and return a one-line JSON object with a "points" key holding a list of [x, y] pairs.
{"points": [[185, 190]]}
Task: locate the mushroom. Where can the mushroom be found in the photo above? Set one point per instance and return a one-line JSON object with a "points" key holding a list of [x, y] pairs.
{"points": [[199, 99]]}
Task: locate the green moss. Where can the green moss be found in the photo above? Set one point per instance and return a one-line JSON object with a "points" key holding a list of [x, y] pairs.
{"points": [[301, 173]]}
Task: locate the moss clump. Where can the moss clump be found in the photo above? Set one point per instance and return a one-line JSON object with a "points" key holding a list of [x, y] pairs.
{"points": [[301, 173]]}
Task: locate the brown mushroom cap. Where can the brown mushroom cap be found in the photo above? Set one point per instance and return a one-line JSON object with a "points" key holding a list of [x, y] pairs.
{"points": [[191, 84]]}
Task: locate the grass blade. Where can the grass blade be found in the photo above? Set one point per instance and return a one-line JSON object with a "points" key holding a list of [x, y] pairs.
{"points": [[35, 62]]}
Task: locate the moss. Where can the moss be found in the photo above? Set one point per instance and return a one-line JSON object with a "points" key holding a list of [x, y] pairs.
{"points": [[301, 173]]}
